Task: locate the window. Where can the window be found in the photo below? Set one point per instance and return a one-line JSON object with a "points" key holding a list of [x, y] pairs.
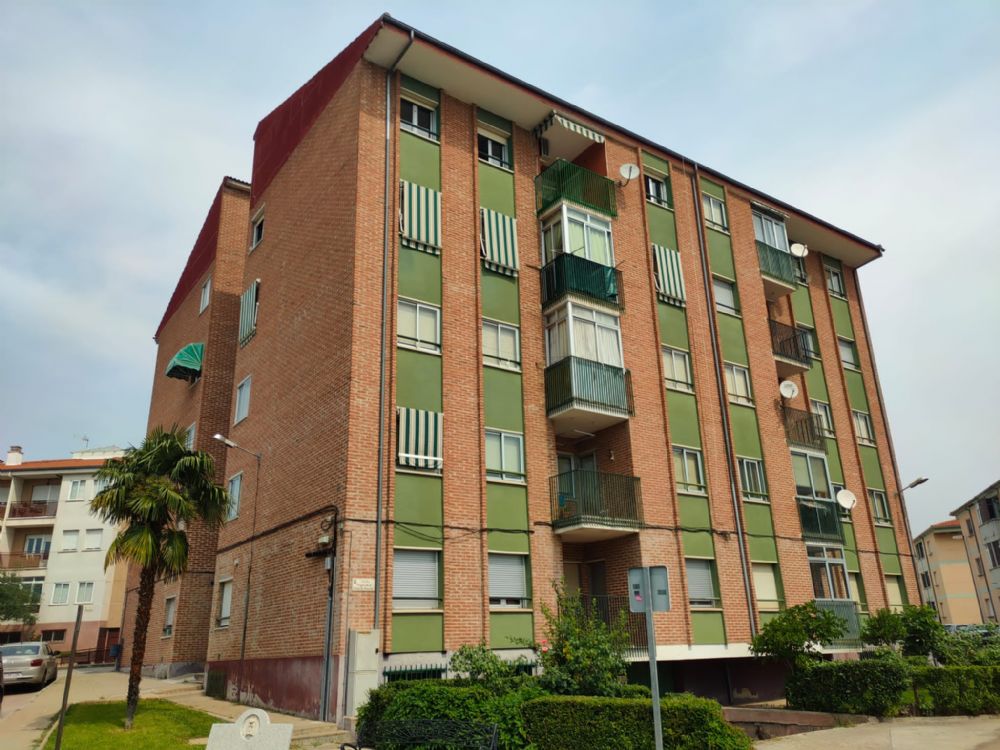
{"points": [[770, 231], [857, 590], [257, 232], [822, 411], [863, 428], [715, 212], [689, 470], [494, 151], [77, 489], [84, 592], [504, 455], [677, 369], [894, 593], [968, 527], [70, 540], [53, 636], [93, 539], [169, 613], [812, 481], [829, 572], [799, 269], [989, 509], [417, 118], [701, 583], [725, 296], [845, 514], [60, 593], [920, 550], [501, 345], [925, 579], [234, 487], [576, 232], [979, 567], [225, 603], [206, 295], [189, 435], [34, 586], [101, 484], [45, 493], [419, 326], [765, 584], [835, 282], [848, 353], [242, 400], [508, 581], [993, 548], [658, 190], [577, 331], [880, 506], [416, 579], [809, 342], [37, 544], [738, 384], [752, 478]]}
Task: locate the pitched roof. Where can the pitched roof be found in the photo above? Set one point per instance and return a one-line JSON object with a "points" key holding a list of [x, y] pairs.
{"points": [[56, 463]]}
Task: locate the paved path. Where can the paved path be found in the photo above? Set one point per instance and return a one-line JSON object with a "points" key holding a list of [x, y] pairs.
{"points": [[923, 733]]}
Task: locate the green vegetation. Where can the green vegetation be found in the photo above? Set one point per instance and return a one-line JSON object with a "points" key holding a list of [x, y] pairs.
{"points": [[883, 628], [948, 691], [16, 601], [875, 687], [797, 633], [159, 725]]}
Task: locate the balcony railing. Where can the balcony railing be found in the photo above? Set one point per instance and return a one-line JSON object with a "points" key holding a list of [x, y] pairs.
{"points": [[593, 498], [776, 263], [802, 427], [33, 510], [22, 560], [573, 381], [847, 611], [790, 342], [820, 519], [566, 273], [608, 609], [564, 180]]}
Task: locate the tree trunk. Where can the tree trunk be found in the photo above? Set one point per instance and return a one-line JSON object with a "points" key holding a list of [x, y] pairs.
{"points": [[147, 581]]}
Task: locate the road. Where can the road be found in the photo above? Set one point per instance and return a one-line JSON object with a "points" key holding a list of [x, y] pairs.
{"points": [[921, 733]]}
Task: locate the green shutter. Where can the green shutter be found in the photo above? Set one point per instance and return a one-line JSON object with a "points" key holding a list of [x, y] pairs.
{"points": [[420, 217], [498, 242], [419, 438], [669, 279], [248, 313]]}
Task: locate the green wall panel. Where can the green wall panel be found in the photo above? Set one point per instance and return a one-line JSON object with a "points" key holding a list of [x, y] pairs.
{"points": [[418, 501], [694, 512], [662, 226], [841, 317], [763, 549], [891, 566], [417, 632], [698, 543], [500, 297], [418, 380], [707, 186], [816, 382], [720, 254], [673, 326], [502, 397], [655, 162], [802, 306], [850, 541], [419, 160], [507, 508], [766, 617], [419, 87], [760, 531], [682, 411], [707, 628], [496, 189], [851, 558], [746, 438], [833, 461], [734, 345], [872, 467], [510, 629], [856, 390], [885, 538], [419, 275]]}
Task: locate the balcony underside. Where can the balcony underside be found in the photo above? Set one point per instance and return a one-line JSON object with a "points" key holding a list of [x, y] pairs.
{"points": [[788, 366], [775, 288], [579, 419], [583, 530]]}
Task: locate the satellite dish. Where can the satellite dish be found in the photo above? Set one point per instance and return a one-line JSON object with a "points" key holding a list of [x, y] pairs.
{"points": [[846, 499], [788, 389], [799, 250], [628, 171]]}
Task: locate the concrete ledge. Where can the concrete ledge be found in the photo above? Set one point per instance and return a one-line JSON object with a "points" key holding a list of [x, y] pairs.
{"points": [[765, 723]]}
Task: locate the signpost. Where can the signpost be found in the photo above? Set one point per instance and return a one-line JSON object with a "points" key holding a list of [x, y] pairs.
{"points": [[649, 592]]}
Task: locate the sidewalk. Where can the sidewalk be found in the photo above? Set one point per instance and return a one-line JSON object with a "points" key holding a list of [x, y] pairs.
{"points": [[920, 733]]}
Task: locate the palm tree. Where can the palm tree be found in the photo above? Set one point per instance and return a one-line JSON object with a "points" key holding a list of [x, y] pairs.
{"points": [[154, 492]]}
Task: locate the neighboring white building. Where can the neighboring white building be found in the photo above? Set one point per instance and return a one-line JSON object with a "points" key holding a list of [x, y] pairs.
{"points": [[50, 538]]}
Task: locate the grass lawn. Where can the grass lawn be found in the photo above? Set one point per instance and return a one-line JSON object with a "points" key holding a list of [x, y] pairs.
{"points": [[159, 725]]}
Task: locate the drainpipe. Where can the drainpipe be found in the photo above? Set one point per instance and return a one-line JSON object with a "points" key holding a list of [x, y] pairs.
{"points": [[380, 482], [723, 401]]}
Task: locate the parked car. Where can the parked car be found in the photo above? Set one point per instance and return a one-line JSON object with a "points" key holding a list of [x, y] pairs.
{"points": [[28, 664]]}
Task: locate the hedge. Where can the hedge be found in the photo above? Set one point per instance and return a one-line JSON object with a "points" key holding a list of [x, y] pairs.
{"points": [[576, 722], [949, 691], [874, 687]]}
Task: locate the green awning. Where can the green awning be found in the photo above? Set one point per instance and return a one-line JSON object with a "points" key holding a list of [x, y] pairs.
{"points": [[186, 364]]}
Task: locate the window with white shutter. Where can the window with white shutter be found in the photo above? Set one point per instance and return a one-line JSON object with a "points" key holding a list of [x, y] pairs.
{"points": [[225, 603], [416, 580], [701, 583], [765, 584], [508, 580]]}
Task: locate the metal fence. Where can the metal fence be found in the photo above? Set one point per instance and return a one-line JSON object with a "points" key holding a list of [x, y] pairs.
{"points": [[564, 180], [594, 497], [574, 380], [776, 263], [573, 273]]}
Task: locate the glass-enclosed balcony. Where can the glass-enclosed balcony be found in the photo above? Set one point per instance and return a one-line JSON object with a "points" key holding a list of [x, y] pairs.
{"points": [[820, 519], [583, 396], [589, 506], [573, 274], [777, 270], [565, 181], [790, 349], [847, 611]]}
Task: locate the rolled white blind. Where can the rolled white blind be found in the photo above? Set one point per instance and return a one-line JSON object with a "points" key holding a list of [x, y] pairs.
{"points": [[701, 588], [415, 579], [507, 577], [225, 599], [765, 585]]}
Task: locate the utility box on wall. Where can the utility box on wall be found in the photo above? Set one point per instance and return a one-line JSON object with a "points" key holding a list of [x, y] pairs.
{"points": [[362, 667]]}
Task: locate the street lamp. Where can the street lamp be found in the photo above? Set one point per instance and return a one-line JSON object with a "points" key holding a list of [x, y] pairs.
{"points": [[909, 536], [916, 482]]}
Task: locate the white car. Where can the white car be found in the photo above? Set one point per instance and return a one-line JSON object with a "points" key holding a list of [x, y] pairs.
{"points": [[28, 664]]}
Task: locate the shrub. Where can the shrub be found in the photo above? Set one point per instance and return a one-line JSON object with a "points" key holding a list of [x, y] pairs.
{"points": [[633, 690], [884, 628], [921, 630], [871, 686], [796, 632], [480, 664], [949, 691], [572, 723]]}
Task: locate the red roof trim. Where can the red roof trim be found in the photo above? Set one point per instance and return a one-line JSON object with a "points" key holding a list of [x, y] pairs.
{"points": [[57, 463]]}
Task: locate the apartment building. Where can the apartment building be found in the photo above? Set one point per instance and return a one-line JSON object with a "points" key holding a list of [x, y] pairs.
{"points": [[50, 539], [945, 574], [488, 342], [980, 525]]}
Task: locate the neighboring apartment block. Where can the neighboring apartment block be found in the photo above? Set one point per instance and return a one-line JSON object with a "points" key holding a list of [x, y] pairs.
{"points": [[980, 522], [945, 574], [484, 355], [52, 541]]}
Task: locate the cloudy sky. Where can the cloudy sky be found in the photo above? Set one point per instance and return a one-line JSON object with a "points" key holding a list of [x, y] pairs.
{"points": [[118, 119]]}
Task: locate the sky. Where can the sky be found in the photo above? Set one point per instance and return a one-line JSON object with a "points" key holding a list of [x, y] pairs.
{"points": [[118, 120]]}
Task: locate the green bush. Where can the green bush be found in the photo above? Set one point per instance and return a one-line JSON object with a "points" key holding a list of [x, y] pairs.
{"points": [[633, 690], [577, 722], [479, 663], [949, 691], [921, 630], [871, 686], [795, 633], [883, 628]]}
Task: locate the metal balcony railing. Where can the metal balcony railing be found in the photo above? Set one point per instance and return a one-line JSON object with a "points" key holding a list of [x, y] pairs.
{"points": [[802, 427], [820, 519], [593, 497], [847, 611], [588, 384], [608, 609], [22, 560], [564, 180], [789, 342], [32, 510], [776, 263], [572, 273]]}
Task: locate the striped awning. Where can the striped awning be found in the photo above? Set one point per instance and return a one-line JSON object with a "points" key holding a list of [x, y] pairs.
{"points": [[557, 120], [248, 312], [420, 217], [669, 279], [186, 364], [498, 241], [419, 438]]}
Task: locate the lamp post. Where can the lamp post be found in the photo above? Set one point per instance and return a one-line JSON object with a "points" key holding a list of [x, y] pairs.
{"points": [[253, 531], [909, 536]]}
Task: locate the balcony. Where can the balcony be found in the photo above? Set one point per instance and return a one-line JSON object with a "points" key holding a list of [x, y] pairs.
{"points": [[565, 181], [30, 511], [589, 506], [791, 353], [574, 274], [23, 561], [820, 519], [582, 396], [609, 609], [847, 611], [777, 269], [802, 427]]}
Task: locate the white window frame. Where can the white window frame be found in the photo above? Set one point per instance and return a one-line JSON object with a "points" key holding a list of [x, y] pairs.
{"points": [[751, 473], [504, 601], [563, 216], [431, 342], [240, 415], [879, 500], [77, 489], [506, 439], [770, 230], [503, 160], [674, 360], [37, 544], [738, 386], [76, 541], [419, 603], [993, 550], [257, 230], [495, 360], [169, 615], [809, 457], [822, 410], [729, 286], [715, 212], [831, 557], [412, 125], [681, 480], [88, 534], [56, 588], [702, 602], [51, 493], [206, 295], [835, 282], [233, 511], [80, 589], [656, 190], [189, 436], [810, 341], [765, 580], [864, 431], [569, 313], [223, 617], [853, 364]]}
